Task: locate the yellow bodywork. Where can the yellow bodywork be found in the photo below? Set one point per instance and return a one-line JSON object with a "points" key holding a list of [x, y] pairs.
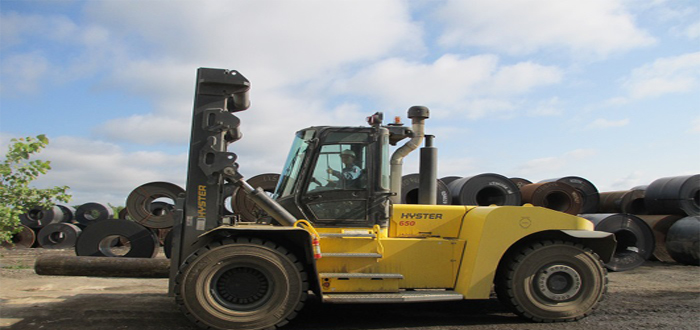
{"points": [[432, 247]]}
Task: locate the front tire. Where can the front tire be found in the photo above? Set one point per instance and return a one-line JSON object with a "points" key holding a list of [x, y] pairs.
{"points": [[241, 284], [552, 281]]}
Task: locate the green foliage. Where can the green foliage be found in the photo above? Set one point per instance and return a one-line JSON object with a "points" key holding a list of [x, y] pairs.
{"points": [[116, 210], [17, 171]]}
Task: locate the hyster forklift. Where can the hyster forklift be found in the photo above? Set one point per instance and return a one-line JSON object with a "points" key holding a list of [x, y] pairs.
{"points": [[334, 228]]}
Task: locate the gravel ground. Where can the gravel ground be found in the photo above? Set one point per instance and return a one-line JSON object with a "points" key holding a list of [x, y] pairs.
{"points": [[654, 296]]}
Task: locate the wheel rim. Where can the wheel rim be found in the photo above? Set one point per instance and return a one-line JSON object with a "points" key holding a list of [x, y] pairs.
{"points": [[241, 288], [558, 283]]}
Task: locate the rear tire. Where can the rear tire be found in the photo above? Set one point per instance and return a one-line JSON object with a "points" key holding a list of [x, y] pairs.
{"points": [[241, 284], [552, 281]]}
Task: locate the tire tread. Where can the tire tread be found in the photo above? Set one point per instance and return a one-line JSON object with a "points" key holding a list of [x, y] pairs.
{"points": [[504, 280], [242, 241]]}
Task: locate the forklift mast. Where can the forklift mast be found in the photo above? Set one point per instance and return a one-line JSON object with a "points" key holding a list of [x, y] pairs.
{"points": [[212, 171]]}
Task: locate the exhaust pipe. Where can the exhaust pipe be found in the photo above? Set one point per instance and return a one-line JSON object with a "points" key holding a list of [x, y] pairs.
{"points": [[418, 115], [427, 182]]}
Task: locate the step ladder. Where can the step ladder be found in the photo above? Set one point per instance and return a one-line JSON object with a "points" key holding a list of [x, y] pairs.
{"points": [[362, 281], [397, 297]]}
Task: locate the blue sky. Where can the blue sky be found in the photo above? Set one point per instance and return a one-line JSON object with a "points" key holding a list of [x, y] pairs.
{"points": [[608, 90]]}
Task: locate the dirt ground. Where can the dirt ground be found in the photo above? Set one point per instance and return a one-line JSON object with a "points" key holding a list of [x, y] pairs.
{"points": [[654, 296]]}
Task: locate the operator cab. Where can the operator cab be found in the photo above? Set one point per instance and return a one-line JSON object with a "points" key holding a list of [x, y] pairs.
{"points": [[337, 176]]}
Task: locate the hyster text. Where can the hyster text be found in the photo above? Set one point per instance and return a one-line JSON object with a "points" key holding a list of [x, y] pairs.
{"points": [[202, 201], [419, 216]]}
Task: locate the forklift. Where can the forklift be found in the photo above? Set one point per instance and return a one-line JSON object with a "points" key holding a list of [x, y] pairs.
{"points": [[335, 228]]}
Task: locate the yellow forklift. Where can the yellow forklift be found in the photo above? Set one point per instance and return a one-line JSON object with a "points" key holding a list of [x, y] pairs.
{"points": [[335, 228]]}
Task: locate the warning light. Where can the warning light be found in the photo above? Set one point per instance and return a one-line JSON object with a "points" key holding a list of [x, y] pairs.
{"points": [[375, 119]]}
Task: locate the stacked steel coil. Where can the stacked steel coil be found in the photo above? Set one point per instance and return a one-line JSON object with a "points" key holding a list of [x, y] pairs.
{"points": [[662, 205], [410, 190], [642, 218], [659, 221]]}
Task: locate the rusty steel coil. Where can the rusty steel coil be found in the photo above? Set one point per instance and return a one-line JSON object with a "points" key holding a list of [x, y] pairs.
{"points": [[245, 207], [90, 213], [660, 224], [589, 193], [58, 236], [626, 201], [683, 241], [23, 239], [139, 208], [484, 189], [38, 217], [674, 195], [117, 238], [635, 239], [520, 182], [410, 185], [552, 195]]}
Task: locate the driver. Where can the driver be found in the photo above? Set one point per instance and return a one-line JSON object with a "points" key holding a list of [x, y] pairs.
{"points": [[350, 172]]}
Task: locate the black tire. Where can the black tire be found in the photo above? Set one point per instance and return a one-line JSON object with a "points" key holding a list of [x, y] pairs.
{"points": [[552, 281], [270, 285]]}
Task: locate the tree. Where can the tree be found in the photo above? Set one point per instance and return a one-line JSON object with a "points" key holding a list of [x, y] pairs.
{"points": [[17, 171]]}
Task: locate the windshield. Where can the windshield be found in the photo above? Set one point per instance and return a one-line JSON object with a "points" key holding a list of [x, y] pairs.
{"points": [[290, 172]]}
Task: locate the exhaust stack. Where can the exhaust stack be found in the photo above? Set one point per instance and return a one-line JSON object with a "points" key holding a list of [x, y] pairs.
{"points": [[418, 115], [427, 180]]}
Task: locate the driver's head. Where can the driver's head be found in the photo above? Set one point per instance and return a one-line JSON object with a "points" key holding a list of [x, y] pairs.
{"points": [[347, 156]]}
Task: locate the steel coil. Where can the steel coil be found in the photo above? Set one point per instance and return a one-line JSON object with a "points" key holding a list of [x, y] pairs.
{"points": [[674, 195], [683, 241], [23, 239], [138, 204], [58, 236], [90, 213], [245, 207], [168, 244], [588, 191], [68, 213], [635, 239], [552, 195], [627, 201], [100, 240], [410, 185], [484, 189], [660, 224], [520, 182], [38, 217], [448, 179]]}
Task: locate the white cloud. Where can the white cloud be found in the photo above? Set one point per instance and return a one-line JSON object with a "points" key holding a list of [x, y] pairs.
{"points": [[474, 85], [676, 74], [17, 27], [635, 178], [549, 166], [285, 42], [288, 50], [602, 123], [550, 107], [146, 129], [693, 31], [51, 49], [103, 172], [695, 125], [23, 73], [594, 27]]}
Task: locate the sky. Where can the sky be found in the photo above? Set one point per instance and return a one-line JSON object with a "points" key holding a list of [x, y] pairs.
{"points": [[607, 90]]}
